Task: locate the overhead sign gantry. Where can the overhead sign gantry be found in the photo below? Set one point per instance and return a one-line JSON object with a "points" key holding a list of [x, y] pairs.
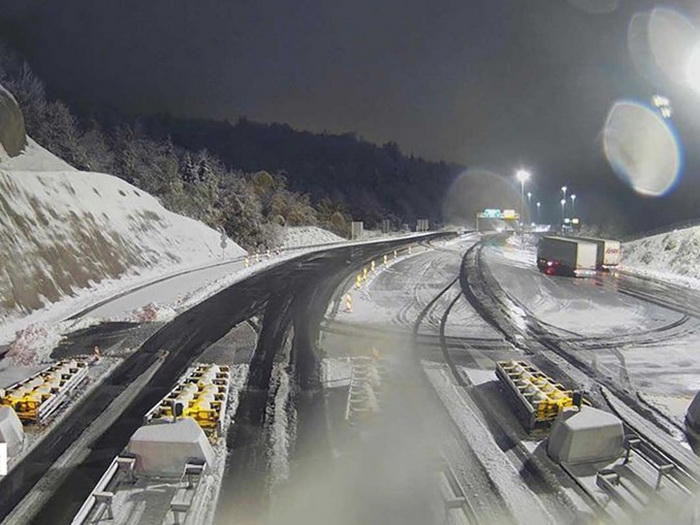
{"points": [[497, 213]]}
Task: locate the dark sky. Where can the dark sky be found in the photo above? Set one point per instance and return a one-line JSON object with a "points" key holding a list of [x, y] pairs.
{"points": [[491, 83]]}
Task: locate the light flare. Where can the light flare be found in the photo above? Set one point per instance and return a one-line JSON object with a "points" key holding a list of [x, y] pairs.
{"points": [[661, 42], [642, 148], [693, 68]]}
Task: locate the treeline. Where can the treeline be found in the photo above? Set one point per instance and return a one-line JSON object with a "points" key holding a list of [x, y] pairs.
{"points": [[372, 182], [246, 177], [248, 205]]}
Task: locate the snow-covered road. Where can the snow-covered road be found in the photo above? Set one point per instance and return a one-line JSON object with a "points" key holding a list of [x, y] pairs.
{"points": [[636, 342], [169, 291], [397, 294], [582, 306]]}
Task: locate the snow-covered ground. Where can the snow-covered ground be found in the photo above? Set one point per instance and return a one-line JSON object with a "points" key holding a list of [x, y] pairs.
{"points": [[34, 158], [64, 231], [581, 306], [398, 292], [654, 350], [299, 236], [72, 240], [672, 256]]}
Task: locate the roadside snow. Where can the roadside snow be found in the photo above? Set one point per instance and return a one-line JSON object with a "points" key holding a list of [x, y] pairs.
{"points": [[33, 158], [66, 233], [298, 236], [281, 425], [33, 345], [672, 256], [109, 288], [191, 285]]}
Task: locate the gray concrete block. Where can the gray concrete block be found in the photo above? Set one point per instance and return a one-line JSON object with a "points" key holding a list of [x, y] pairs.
{"points": [[587, 435], [163, 450]]}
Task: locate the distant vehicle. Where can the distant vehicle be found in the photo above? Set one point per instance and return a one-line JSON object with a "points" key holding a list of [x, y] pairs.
{"points": [[608, 252], [566, 256]]}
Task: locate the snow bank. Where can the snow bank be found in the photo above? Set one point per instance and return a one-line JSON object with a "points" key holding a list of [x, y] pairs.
{"points": [[281, 425], [672, 256], [149, 313], [34, 344], [66, 230], [298, 236], [33, 158]]}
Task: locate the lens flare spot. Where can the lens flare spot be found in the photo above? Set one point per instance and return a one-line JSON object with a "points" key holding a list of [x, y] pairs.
{"points": [[639, 49], [642, 148], [693, 68], [476, 190], [660, 42]]}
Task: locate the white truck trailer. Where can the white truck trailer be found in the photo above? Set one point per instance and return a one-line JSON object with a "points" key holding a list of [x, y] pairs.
{"points": [[609, 252], [566, 256]]}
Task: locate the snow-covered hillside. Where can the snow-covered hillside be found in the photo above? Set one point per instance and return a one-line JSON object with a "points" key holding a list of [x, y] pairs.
{"points": [[296, 236], [63, 230], [672, 256]]}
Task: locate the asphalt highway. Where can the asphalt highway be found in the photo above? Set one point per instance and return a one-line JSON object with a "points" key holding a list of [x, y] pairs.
{"points": [[171, 350]]}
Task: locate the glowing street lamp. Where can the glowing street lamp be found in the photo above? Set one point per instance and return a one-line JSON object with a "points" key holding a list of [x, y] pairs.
{"points": [[573, 205], [563, 191], [693, 68], [522, 176], [539, 216]]}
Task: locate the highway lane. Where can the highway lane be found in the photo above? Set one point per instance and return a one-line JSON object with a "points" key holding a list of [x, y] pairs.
{"points": [[165, 290], [668, 295], [396, 295], [639, 334], [292, 301], [417, 283], [583, 306], [176, 345], [411, 408]]}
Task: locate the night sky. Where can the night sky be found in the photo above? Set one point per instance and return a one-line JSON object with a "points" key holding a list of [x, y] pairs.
{"points": [[495, 84]]}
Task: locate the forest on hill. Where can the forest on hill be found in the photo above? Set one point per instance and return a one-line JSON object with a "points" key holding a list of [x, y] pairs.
{"points": [[249, 178]]}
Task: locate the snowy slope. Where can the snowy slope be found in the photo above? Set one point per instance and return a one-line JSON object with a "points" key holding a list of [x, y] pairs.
{"points": [[296, 236], [33, 158], [64, 230], [672, 256]]}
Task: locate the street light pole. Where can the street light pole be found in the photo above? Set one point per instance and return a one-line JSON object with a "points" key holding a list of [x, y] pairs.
{"points": [[522, 176], [563, 202], [539, 215], [573, 205], [563, 191]]}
